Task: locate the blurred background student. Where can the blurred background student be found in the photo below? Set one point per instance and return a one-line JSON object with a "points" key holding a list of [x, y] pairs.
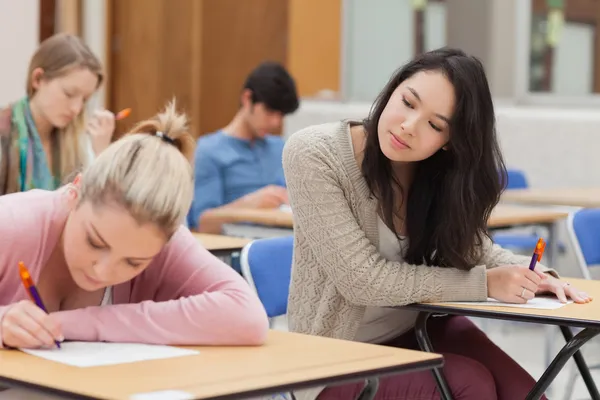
{"points": [[239, 166], [43, 134]]}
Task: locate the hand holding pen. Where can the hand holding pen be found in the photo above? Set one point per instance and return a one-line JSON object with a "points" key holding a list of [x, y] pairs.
{"points": [[101, 127], [26, 324]]}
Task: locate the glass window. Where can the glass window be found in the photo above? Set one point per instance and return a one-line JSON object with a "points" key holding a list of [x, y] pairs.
{"points": [[564, 54], [379, 36]]}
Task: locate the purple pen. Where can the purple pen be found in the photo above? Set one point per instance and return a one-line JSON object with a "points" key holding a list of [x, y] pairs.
{"points": [[32, 290], [537, 253]]}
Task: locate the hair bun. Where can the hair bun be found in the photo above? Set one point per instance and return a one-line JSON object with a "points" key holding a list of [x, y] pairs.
{"points": [[172, 127]]}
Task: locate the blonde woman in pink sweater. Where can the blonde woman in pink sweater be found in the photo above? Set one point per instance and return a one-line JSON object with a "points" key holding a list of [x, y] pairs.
{"points": [[112, 260]]}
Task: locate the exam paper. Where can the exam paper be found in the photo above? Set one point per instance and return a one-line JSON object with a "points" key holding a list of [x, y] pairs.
{"points": [[94, 354], [542, 303], [285, 208]]}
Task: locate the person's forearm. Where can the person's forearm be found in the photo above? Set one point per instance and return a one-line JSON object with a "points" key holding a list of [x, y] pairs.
{"points": [[213, 219]]}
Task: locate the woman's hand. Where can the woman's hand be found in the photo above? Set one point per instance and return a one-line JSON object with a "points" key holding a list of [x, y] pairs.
{"points": [[101, 128], [514, 283], [563, 290], [26, 325]]}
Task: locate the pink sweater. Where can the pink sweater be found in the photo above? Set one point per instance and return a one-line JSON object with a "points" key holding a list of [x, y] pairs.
{"points": [[186, 296]]}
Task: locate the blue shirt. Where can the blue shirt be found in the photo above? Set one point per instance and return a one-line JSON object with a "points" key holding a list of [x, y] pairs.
{"points": [[227, 168]]}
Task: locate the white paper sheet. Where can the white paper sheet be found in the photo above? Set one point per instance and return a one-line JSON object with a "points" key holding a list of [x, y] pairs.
{"points": [[542, 303], [286, 208], [93, 354], [163, 395]]}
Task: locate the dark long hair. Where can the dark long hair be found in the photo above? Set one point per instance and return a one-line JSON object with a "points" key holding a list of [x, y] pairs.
{"points": [[453, 191]]}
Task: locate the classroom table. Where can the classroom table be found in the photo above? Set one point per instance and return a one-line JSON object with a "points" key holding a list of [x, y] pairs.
{"points": [[505, 215], [509, 216], [586, 316], [502, 215], [268, 217], [570, 197], [288, 361], [220, 245]]}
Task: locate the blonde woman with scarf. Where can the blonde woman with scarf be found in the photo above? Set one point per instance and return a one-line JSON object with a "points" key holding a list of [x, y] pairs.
{"points": [[43, 135]]}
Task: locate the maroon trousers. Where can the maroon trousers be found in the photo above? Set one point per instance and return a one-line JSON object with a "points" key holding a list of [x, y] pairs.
{"points": [[475, 368]]}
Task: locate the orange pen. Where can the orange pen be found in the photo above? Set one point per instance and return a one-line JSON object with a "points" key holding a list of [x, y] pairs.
{"points": [[537, 253], [123, 114], [32, 290]]}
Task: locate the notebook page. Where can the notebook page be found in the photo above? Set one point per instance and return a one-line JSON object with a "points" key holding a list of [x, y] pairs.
{"points": [[94, 354]]}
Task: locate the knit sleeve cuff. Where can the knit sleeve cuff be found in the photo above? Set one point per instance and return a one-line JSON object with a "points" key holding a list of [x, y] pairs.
{"points": [[471, 286]]}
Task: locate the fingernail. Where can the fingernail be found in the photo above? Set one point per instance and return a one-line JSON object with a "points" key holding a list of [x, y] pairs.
{"points": [[61, 338]]}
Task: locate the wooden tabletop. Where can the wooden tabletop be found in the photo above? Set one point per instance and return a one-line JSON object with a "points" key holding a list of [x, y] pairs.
{"points": [[220, 242], [510, 215], [571, 197], [267, 217], [287, 361], [503, 215], [574, 315]]}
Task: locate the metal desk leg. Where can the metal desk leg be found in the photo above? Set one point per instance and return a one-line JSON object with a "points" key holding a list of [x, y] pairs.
{"points": [[425, 345], [370, 390], [570, 349], [581, 364]]}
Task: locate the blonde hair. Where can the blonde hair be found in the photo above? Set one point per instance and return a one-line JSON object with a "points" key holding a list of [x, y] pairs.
{"points": [[57, 56], [148, 171]]}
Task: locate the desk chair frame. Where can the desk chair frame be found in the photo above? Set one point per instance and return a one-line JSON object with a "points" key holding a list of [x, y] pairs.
{"points": [[585, 271], [571, 348]]}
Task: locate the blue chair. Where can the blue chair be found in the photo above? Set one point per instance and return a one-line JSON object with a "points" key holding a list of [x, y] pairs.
{"points": [[583, 230], [522, 242], [267, 264], [516, 179]]}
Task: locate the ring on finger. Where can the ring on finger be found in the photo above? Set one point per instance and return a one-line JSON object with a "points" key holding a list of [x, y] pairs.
{"points": [[523, 293], [566, 284]]}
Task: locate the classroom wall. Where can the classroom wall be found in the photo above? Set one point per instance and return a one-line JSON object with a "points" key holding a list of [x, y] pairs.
{"points": [[19, 33], [314, 29], [555, 147]]}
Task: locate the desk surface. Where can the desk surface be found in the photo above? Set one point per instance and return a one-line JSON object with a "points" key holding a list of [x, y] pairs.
{"points": [[503, 215], [287, 361], [267, 217], [573, 315], [510, 215], [571, 197], [220, 242]]}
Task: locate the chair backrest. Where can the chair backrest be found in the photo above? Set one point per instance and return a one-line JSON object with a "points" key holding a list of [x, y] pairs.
{"points": [[583, 227], [267, 264], [516, 179]]}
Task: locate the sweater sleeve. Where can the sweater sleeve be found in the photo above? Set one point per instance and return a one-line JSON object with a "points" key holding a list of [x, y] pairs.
{"points": [[5, 144], [495, 256], [7, 243], [326, 230], [191, 298]]}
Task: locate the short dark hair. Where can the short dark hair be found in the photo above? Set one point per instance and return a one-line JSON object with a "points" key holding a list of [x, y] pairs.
{"points": [[454, 191], [272, 85]]}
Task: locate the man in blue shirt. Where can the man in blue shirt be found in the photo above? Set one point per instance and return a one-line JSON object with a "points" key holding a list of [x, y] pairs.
{"points": [[240, 166]]}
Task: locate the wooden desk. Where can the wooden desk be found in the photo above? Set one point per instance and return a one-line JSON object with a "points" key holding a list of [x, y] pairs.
{"points": [[267, 217], [585, 316], [511, 215], [571, 197], [219, 244], [503, 215], [288, 361]]}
